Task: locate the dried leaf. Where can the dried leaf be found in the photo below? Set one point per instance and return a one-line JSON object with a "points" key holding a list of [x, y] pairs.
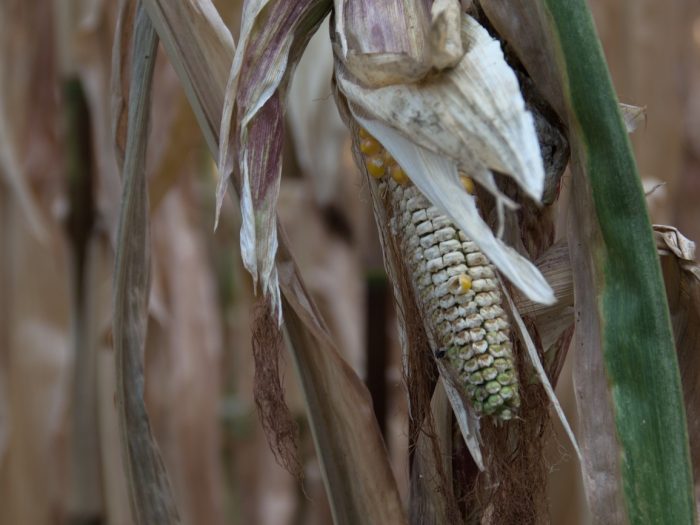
{"points": [[356, 471], [150, 494], [273, 35], [361, 487]]}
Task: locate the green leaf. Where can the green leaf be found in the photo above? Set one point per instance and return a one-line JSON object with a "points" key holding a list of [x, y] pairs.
{"points": [[635, 331]]}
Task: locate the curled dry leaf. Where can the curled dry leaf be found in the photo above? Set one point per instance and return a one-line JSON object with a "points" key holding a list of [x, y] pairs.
{"points": [[397, 41], [273, 35]]}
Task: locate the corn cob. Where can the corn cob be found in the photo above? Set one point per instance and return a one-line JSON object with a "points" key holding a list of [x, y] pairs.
{"points": [[456, 287]]}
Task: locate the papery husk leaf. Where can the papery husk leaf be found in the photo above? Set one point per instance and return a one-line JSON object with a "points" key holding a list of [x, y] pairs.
{"points": [[149, 489], [354, 464], [526, 339], [633, 427], [473, 114], [632, 116], [436, 176], [273, 35], [397, 41]]}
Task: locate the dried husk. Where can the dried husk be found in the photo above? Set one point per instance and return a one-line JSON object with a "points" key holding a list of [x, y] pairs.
{"points": [[396, 41], [459, 120]]}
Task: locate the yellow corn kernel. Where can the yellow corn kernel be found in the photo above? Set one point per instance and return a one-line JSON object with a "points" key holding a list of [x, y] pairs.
{"points": [[465, 283], [370, 146], [468, 183], [364, 134], [375, 166], [399, 175]]}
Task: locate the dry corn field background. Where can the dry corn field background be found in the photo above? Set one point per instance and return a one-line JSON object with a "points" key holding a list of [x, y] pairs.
{"points": [[349, 261]]}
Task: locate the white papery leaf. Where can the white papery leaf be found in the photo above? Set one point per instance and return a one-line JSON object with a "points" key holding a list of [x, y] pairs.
{"points": [[632, 116], [436, 176], [529, 344], [467, 420], [473, 114]]}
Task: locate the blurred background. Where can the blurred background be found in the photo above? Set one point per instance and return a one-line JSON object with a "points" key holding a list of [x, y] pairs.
{"points": [[59, 203]]}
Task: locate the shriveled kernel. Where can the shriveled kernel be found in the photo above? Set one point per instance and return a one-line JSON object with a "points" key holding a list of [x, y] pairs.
{"points": [[472, 365], [479, 346], [489, 373], [507, 392], [501, 364], [456, 270], [476, 378], [492, 387], [493, 401], [484, 360], [505, 378]]}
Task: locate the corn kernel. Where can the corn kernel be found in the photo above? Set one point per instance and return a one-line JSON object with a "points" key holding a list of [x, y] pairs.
{"points": [[467, 183], [375, 166], [364, 134], [465, 283], [399, 175], [370, 146]]}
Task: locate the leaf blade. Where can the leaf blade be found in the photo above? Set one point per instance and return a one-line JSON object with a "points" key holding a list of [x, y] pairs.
{"points": [[635, 332]]}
